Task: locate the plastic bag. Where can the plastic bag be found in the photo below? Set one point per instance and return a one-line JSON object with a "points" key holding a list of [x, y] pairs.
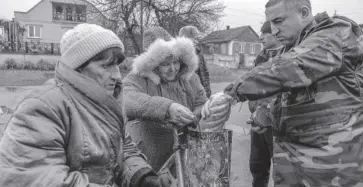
{"points": [[219, 109], [209, 158]]}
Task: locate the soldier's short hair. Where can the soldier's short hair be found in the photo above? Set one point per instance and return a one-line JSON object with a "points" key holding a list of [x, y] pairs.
{"points": [[289, 3]]}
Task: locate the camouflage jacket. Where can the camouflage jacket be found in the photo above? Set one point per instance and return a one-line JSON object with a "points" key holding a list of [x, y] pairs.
{"points": [[261, 109], [319, 134], [203, 73]]}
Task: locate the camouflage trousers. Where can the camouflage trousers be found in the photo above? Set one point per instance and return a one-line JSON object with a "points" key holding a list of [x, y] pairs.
{"points": [[338, 162]]}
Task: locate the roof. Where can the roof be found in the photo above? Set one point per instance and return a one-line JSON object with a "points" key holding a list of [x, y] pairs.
{"points": [[225, 35]]}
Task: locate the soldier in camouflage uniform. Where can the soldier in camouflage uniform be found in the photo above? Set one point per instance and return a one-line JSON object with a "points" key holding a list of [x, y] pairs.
{"points": [[261, 132], [202, 70], [319, 135]]}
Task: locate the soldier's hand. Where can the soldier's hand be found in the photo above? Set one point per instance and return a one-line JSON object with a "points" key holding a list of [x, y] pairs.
{"points": [[259, 130], [229, 90], [180, 115], [256, 128]]}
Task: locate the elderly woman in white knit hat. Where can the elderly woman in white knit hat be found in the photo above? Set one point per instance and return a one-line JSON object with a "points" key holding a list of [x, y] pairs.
{"points": [[70, 132]]}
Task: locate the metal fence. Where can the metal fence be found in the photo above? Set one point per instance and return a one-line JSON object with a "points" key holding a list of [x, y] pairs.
{"points": [[30, 48]]}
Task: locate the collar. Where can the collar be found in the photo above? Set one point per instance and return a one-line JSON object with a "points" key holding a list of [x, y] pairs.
{"points": [[84, 87], [318, 19]]}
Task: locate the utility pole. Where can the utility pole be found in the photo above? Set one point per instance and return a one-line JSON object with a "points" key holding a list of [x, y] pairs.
{"points": [[142, 25]]}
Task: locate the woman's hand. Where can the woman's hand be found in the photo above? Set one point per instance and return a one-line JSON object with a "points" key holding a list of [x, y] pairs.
{"points": [[180, 114]]}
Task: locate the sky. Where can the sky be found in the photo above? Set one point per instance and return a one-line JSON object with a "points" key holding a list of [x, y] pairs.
{"points": [[252, 12], [237, 12]]}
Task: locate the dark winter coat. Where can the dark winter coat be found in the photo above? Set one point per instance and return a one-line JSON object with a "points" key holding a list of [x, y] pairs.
{"points": [[69, 132], [148, 98]]}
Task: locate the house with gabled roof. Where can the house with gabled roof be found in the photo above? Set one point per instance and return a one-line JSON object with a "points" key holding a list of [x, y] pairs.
{"points": [[48, 20], [233, 41], [241, 43]]}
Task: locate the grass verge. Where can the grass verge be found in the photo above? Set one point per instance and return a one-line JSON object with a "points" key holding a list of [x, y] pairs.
{"points": [[33, 78]]}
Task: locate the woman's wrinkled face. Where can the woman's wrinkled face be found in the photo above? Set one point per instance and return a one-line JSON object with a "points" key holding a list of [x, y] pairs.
{"points": [[103, 68], [169, 69]]}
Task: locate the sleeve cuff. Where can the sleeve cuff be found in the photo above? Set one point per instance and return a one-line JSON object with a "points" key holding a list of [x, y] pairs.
{"points": [[140, 175]]}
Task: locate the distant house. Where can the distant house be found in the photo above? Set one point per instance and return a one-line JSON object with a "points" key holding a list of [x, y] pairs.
{"points": [[232, 41], [48, 20], [242, 43]]}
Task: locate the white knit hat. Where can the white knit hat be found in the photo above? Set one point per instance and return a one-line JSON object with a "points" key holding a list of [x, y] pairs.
{"points": [[84, 41]]}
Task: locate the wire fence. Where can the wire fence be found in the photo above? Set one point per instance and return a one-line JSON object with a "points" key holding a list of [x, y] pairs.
{"points": [[30, 48]]}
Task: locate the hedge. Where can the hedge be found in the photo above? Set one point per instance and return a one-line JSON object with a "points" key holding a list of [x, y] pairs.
{"points": [[42, 65]]}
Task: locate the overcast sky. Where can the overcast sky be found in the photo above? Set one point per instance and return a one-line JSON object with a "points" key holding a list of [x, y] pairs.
{"points": [[237, 12], [252, 12]]}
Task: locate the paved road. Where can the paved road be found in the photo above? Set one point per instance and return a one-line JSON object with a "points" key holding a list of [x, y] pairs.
{"points": [[240, 113]]}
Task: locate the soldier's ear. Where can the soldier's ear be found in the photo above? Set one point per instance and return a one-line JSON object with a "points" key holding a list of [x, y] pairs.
{"points": [[305, 12]]}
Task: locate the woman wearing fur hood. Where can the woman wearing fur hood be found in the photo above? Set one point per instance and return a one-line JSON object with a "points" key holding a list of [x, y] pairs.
{"points": [[162, 89]]}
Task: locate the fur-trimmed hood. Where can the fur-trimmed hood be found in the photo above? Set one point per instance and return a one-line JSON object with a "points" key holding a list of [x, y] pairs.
{"points": [[159, 50]]}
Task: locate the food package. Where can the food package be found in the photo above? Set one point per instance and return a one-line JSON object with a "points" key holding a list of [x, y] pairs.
{"points": [[208, 160], [219, 107]]}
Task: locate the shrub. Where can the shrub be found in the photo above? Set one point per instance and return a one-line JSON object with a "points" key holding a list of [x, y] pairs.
{"points": [[3, 66], [44, 65], [11, 64], [27, 65]]}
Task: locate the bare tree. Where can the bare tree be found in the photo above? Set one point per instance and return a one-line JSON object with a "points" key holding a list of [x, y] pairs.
{"points": [[123, 14], [169, 14], [14, 31], [174, 14]]}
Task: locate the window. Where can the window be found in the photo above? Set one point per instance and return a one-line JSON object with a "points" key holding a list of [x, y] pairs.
{"points": [[57, 12], [242, 47], [81, 13], [34, 31], [224, 49], [252, 47], [1, 31], [69, 13]]}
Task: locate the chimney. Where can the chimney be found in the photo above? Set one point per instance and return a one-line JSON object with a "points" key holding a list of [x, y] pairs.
{"points": [[228, 27]]}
